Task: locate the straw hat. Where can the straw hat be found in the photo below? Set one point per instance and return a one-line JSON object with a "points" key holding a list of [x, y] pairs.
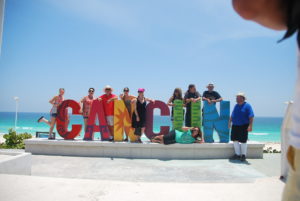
{"points": [[108, 87], [210, 84], [241, 94]]}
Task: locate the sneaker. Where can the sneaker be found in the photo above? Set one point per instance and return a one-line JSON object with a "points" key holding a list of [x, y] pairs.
{"points": [[51, 137], [235, 157], [243, 158], [111, 139], [40, 119], [125, 140]]}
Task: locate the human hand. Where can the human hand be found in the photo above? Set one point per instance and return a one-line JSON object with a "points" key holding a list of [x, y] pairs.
{"points": [[249, 128]]}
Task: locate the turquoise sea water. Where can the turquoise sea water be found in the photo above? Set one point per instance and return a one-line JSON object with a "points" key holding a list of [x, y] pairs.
{"points": [[266, 129]]}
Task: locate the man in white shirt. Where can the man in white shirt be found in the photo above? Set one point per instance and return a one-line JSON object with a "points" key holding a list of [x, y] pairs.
{"points": [[281, 15]]}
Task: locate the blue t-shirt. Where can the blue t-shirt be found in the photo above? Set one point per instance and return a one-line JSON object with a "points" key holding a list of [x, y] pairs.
{"points": [[241, 114]]}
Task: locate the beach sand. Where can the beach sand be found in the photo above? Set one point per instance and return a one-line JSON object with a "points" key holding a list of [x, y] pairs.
{"points": [[273, 146]]}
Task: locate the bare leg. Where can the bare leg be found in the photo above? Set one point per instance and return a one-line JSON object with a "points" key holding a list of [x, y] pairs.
{"points": [[45, 121], [111, 130], [85, 125], [157, 139], [53, 121]]}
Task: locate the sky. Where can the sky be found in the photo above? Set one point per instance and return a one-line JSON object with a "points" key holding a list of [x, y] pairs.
{"points": [[151, 44]]}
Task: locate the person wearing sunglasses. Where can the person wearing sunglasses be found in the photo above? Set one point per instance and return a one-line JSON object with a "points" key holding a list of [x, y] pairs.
{"points": [[55, 102], [128, 100], [139, 114], [108, 105], [86, 105]]}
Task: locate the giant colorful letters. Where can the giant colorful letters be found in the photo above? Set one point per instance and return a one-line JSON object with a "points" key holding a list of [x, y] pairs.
{"points": [[212, 120], [122, 120]]}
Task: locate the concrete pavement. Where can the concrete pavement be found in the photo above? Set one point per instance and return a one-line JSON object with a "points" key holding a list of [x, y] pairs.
{"points": [[88, 178]]}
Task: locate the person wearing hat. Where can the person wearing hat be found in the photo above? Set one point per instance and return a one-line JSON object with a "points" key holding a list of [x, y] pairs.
{"points": [[242, 120], [139, 114], [86, 105], [108, 106], [281, 15], [210, 95]]}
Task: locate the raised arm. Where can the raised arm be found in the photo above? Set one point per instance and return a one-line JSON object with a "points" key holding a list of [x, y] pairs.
{"points": [[52, 101], [150, 100], [170, 101]]}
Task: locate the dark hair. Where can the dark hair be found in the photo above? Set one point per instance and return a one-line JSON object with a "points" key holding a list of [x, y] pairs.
{"points": [[191, 86], [199, 135], [179, 91], [91, 89], [126, 88], [61, 89]]}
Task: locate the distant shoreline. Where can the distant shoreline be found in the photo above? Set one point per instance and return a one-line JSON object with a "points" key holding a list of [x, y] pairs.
{"points": [[155, 115]]}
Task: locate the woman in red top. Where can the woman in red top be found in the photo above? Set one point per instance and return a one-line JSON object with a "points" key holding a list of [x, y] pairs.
{"points": [[108, 106], [86, 105]]}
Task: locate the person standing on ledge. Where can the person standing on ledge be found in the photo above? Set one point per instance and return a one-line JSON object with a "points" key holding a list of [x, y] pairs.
{"points": [[192, 95], [108, 106], [242, 120], [177, 95], [281, 15], [210, 95], [128, 100], [55, 102], [139, 114], [86, 105]]}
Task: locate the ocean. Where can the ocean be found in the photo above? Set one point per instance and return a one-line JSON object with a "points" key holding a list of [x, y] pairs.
{"points": [[265, 129]]}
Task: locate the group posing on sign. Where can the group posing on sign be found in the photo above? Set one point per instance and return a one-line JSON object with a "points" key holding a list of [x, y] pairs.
{"points": [[240, 122]]}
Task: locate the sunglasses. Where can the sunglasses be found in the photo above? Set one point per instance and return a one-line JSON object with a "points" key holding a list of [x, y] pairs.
{"points": [[91, 91], [126, 90], [107, 89]]}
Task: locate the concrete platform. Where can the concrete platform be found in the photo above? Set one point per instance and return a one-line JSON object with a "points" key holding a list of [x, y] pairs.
{"points": [[34, 188], [146, 150], [15, 163]]}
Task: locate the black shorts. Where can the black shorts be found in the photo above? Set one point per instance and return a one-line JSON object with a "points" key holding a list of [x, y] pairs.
{"points": [[170, 137], [54, 115], [138, 131], [239, 133]]}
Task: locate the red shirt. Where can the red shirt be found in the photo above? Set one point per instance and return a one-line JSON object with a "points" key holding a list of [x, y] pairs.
{"points": [[108, 107]]}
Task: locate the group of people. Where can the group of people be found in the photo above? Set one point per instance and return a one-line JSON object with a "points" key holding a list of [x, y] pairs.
{"points": [[240, 122]]}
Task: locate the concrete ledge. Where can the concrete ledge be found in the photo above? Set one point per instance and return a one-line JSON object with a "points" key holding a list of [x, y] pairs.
{"points": [[135, 150], [15, 163]]}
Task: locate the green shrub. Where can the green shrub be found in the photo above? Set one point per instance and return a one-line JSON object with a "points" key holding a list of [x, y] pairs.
{"points": [[14, 140]]}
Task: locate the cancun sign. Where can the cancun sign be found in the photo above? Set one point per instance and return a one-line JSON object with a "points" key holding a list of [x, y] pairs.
{"points": [[211, 120]]}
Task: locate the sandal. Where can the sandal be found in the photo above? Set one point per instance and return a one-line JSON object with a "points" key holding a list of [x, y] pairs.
{"points": [[39, 120]]}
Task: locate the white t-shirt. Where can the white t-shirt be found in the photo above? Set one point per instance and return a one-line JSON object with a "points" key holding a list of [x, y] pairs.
{"points": [[295, 133]]}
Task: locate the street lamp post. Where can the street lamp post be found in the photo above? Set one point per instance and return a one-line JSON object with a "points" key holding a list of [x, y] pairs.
{"points": [[16, 118]]}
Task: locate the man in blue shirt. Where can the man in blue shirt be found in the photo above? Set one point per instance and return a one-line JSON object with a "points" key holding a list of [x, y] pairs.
{"points": [[242, 120]]}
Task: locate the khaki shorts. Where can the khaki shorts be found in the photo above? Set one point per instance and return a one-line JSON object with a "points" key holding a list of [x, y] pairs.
{"points": [[292, 187], [110, 120]]}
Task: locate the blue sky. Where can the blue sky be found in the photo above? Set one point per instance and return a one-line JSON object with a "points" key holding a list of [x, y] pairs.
{"points": [[157, 45]]}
